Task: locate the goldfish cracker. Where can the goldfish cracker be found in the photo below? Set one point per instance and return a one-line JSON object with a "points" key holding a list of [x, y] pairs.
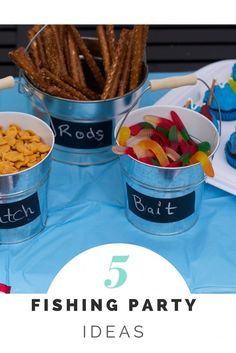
{"points": [[31, 132], [34, 146], [43, 147], [4, 148], [20, 149], [42, 156], [18, 128], [31, 164], [13, 156], [32, 158], [35, 138], [24, 135], [7, 167], [11, 140], [3, 140], [12, 131], [24, 163]]}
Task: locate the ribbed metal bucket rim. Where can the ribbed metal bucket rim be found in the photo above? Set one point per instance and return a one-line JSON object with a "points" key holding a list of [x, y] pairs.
{"points": [[27, 191], [161, 189], [88, 101]]}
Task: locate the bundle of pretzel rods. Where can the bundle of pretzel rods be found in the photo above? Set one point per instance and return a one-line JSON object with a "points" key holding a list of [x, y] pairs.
{"points": [[54, 61]]}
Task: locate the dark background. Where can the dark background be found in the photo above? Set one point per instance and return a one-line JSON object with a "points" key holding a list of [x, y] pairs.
{"points": [[170, 47]]}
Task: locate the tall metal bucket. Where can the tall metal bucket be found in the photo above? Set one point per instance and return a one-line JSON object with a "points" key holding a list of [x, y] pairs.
{"points": [[161, 200], [85, 129], [23, 195]]}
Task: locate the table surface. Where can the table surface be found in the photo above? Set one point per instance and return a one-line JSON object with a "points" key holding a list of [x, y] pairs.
{"points": [[86, 209]]}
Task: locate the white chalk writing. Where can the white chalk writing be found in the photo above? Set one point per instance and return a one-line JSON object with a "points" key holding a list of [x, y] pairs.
{"points": [[158, 209], [91, 133], [16, 216]]}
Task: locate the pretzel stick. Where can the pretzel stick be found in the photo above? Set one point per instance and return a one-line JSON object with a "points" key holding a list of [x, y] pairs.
{"points": [[59, 92], [87, 56], [137, 57], [145, 36], [111, 39], [104, 48], [124, 48], [127, 64], [22, 60], [74, 63], [113, 78], [61, 33], [34, 50], [84, 90], [40, 45], [211, 93], [54, 80], [60, 54], [50, 47]]}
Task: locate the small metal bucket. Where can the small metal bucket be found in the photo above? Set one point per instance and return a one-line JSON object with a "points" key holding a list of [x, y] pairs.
{"points": [[166, 201], [23, 195], [84, 130]]}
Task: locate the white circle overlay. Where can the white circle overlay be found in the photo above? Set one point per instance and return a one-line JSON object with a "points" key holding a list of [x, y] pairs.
{"points": [[147, 273]]}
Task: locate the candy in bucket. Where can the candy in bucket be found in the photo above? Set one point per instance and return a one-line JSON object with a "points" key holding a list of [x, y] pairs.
{"points": [[160, 148]]}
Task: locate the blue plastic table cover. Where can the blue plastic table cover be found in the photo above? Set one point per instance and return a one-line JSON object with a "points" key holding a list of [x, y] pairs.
{"points": [[86, 209]]}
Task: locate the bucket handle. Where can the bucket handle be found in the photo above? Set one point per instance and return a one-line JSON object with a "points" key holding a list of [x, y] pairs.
{"points": [[23, 89], [7, 82], [169, 83], [10, 82]]}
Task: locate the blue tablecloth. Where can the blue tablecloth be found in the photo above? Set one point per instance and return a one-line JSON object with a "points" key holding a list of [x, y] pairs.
{"points": [[86, 209]]}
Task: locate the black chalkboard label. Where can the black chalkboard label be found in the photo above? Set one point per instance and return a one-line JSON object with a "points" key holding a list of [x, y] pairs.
{"points": [[16, 214], [160, 210], [83, 135]]}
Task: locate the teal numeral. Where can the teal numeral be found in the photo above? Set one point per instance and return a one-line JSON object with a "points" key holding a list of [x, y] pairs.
{"points": [[121, 272]]}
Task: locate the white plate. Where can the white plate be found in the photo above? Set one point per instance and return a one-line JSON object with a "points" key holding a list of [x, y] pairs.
{"points": [[225, 175]]}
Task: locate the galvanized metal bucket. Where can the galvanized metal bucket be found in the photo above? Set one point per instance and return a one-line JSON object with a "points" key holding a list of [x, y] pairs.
{"points": [[166, 201], [84, 130], [23, 195]]}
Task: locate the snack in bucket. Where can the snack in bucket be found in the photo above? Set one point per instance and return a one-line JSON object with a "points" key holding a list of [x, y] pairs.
{"points": [[85, 85], [164, 160], [57, 56], [20, 149], [26, 145], [163, 142]]}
